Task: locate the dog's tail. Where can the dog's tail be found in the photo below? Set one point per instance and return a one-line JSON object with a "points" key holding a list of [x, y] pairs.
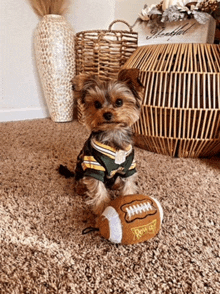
{"points": [[64, 171]]}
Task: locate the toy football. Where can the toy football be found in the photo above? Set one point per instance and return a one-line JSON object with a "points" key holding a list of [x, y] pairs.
{"points": [[131, 219]]}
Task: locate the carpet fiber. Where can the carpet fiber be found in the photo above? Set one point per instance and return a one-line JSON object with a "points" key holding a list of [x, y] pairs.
{"points": [[42, 249]]}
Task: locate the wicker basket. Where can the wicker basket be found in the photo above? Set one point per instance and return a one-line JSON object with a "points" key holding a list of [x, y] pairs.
{"points": [[181, 107], [103, 52]]}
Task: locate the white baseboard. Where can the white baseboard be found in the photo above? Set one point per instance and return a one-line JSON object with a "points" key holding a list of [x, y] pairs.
{"points": [[23, 114]]}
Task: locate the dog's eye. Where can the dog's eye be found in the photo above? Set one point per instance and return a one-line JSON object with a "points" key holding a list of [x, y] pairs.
{"points": [[118, 102], [97, 104]]}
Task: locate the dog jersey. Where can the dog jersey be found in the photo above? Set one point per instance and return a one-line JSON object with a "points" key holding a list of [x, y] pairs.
{"points": [[104, 163]]}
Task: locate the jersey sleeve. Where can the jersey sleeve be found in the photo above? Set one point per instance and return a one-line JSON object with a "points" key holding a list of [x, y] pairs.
{"points": [[92, 168], [87, 165]]}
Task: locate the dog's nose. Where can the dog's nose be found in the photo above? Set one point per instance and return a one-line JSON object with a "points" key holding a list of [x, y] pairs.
{"points": [[107, 115]]}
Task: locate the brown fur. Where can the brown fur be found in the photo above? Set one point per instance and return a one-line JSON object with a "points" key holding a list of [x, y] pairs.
{"points": [[110, 109], [90, 90]]}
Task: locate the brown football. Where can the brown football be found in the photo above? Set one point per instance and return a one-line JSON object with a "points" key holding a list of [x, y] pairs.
{"points": [[131, 219]]}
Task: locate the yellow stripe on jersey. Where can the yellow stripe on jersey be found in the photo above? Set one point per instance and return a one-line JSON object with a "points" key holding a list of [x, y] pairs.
{"points": [[89, 158], [92, 166], [133, 165], [119, 170], [91, 163], [128, 148], [104, 149], [104, 146], [107, 154], [107, 150]]}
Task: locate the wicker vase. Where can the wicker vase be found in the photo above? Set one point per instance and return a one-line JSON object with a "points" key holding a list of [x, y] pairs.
{"points": [[54, 50]]}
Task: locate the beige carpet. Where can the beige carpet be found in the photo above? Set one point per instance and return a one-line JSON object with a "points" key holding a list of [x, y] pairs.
{"points": [[42, 249]]}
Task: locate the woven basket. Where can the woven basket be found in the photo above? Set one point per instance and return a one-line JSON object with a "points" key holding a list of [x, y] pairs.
{"points": [[181, 107], [103, 53]]}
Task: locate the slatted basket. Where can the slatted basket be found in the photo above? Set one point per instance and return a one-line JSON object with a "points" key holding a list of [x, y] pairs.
{"points": [[181, 107], [103, 52]]}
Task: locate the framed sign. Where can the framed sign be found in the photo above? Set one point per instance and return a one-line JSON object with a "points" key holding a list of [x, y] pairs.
{"points": [[186, 31]]}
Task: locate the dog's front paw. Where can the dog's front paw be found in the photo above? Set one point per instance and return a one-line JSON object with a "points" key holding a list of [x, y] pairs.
{"points": [[130, 186], [98, 196]]}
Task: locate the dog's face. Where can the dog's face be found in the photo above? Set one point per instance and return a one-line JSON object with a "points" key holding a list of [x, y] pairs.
{"points": [[109, 105]]}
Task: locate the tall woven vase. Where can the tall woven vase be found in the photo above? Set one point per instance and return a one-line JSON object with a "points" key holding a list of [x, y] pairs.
{"points": [[54, 50]]}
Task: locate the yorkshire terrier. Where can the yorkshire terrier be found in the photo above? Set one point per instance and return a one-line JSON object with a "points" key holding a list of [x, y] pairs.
{"points": [[107, 158]]}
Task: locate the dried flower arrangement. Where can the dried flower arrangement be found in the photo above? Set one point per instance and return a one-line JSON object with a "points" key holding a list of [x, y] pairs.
{"points": [[44, 7], [155, 16]]}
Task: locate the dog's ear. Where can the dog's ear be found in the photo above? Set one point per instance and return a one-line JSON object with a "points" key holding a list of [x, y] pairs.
{"points": [[79, 81], [131, 78], [82, 83]]}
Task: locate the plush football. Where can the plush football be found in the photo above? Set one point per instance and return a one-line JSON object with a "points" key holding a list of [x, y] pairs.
{"points": [[131, 219]]}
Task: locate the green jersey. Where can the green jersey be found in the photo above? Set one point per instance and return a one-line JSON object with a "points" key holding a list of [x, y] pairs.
{"points": [[104, 163]]}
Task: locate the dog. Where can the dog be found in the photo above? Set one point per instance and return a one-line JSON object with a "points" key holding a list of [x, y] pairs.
{"points": [[107, 158]]}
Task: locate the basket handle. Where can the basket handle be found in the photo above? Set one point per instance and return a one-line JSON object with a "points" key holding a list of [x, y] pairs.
{"points": [[123, 21]]}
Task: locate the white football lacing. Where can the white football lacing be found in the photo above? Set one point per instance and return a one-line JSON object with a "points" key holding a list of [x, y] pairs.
{"points": [[138, 208]]}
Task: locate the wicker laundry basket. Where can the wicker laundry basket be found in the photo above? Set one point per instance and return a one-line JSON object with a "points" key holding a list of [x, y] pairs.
{"points": [[103, 53], [181, 108]]}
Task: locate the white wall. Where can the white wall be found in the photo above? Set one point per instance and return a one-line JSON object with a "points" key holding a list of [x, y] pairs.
{"points": [[21, 95], [129, 9], [91, 14]]}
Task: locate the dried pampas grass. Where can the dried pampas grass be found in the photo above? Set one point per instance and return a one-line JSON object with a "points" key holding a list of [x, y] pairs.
{"points": [[44, 7]]}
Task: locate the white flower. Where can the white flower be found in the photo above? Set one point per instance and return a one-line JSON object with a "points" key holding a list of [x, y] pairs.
{"points": [[147, 11], [172, 14], [179, 3], [144, 13]]}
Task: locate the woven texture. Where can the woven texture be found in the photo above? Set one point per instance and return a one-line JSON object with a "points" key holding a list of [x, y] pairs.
{"points": [[181, 107], [54, 49], [103, 53]]}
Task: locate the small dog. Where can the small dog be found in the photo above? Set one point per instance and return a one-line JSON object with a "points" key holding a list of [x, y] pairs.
{"points": [[107, 158]]}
